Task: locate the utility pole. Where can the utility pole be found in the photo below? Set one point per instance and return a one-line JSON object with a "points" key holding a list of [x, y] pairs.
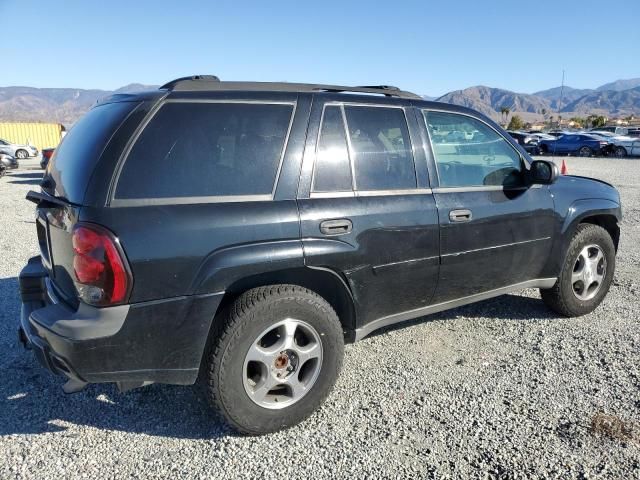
{"points": [[561, 94]]}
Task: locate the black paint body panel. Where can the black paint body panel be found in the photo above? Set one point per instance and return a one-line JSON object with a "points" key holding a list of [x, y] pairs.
{"points": [[402, 254]]}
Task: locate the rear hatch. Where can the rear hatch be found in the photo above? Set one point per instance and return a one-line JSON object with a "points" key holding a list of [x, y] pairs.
{"points": [[64, 187]]}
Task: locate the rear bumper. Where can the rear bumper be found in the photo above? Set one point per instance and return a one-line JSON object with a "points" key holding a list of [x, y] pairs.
{"points": [[160, 341]]}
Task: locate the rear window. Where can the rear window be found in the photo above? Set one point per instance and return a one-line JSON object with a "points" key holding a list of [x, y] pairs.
{"points": [[77, 155], [207, 150]]}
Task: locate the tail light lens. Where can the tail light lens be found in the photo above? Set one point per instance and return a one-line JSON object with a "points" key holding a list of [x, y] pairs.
{"points": [[100, 267]]}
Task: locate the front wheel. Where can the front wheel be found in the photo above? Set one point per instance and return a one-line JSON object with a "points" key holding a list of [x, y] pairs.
{"points": [[586, 275], [22, 154], [274, 358]]}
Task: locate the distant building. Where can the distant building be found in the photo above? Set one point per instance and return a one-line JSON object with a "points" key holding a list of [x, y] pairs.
{"points": [[39, 135]]}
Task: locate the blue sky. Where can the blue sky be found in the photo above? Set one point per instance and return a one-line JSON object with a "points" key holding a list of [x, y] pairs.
{"points": [[428, 47]]}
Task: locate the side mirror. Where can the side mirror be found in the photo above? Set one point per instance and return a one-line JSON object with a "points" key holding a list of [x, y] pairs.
{"points": [[543, 172]]}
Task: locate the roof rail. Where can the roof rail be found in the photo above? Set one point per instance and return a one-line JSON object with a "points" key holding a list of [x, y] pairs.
{"points": [[211, 82], [175, 84], [386, 90]]}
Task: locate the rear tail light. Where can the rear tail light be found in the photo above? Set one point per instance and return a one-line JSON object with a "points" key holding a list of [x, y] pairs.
{"points": [[102, 275]]}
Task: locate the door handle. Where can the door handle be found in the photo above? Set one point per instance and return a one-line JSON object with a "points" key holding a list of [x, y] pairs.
{"points": [[336, 227], [460, 215]]}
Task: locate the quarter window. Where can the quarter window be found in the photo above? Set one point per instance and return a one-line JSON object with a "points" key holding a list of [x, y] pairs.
{"points": [[207, 149], [469, 153]]}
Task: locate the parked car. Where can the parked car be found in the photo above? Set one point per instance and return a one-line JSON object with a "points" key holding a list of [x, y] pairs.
{"points": [[46, 156], [526, 141], [621, 145], [634, 132], [613, 129], [574, 143], [18, 150], [558, 133], [8, 161], [301, 217], [542, 136]]}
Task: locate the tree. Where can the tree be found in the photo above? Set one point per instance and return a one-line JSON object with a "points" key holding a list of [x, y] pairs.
{"points": [[578, 121], [516, 123], [598, 121], [503, 110], [551, 120], [507, 110]]}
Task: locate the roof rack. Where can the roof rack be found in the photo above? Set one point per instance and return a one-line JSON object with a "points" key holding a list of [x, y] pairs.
{"points": [[386, 90], [192, 78], [211, 82]]}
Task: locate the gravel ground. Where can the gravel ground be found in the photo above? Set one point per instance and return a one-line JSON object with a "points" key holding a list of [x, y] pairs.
{"points": [[500, 389]]}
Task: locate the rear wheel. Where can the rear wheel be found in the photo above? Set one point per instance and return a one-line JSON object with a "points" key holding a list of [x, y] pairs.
{"points": [[620, 151], [22, 154], [586, 274], [276, 355], [585, 151]]}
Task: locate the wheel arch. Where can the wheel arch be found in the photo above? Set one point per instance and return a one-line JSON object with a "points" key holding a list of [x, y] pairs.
{"points": [[327, 283], [602, 212], [607, 221]]}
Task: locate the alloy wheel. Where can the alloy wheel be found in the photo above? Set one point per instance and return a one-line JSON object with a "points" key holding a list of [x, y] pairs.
{"points": [[282, 364], [588, 273]]}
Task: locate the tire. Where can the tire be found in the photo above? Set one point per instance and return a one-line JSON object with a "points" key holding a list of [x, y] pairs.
{"points": [[566, 297], [620, 151], [22, 154], [233, 380], [585, 151]]}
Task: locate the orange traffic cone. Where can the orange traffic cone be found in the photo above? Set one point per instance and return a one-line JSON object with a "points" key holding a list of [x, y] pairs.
{"points": [[563, 169]]}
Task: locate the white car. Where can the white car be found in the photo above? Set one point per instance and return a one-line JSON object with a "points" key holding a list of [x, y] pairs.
{"points": [[623, 145], [17, 150]]}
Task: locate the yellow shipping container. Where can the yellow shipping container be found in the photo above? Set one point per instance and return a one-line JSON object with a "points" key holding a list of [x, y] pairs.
{"points": [[39, 135]]}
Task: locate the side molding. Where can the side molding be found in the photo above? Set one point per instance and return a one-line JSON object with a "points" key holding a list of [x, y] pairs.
{"points": [[439, 307]]}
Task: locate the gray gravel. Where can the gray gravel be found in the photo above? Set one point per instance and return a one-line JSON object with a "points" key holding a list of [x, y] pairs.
{"points": [[500, 389]]}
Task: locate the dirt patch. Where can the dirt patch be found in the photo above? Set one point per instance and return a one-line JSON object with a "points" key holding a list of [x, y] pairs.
{"points": [[615, 428]]}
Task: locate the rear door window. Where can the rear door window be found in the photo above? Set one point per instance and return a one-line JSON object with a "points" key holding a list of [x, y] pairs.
{"points": [[213, 149], [381, 148]]}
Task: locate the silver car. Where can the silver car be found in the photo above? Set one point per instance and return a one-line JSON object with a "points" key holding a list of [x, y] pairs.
{"points": [[17, 150]]}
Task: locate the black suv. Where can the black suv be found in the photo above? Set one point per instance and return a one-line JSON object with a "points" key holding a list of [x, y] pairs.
{"points": [[241, 233]]}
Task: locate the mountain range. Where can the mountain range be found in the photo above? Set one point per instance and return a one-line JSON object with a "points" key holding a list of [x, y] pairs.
{"points": [[615, 99]]}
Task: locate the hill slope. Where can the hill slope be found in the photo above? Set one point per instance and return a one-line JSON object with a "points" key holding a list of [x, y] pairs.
{"points": [[59, 105], [490, 100], [620, 85], [568, 94], [609, 102]]}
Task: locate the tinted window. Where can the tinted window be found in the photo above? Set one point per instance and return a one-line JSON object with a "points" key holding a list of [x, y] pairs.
{"points": [[75, 158], [470, 153], [381, 148], [207, 149], [332, 169]]}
